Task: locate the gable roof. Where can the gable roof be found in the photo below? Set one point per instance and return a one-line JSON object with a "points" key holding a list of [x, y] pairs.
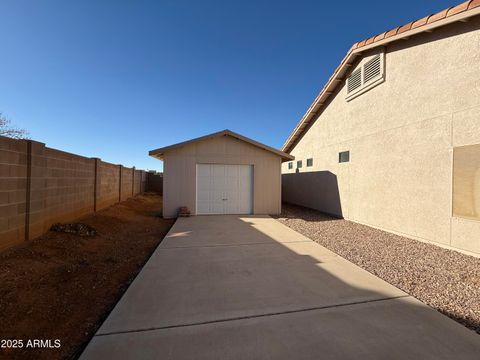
{"points": [[453, 14], [158, 153]]}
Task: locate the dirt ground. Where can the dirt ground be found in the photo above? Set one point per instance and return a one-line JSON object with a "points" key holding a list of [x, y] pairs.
{"points": [[62, 286]]}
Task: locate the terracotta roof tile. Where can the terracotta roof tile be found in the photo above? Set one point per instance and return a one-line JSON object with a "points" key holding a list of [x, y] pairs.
{"points": [[380, 36], [474, 4], [404, 28], [438, 16], [361, 43], [369, 41], [420, 22], [458, 9], [391, 32]]}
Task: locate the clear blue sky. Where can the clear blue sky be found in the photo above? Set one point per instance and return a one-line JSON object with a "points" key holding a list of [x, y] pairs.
{"points": [[117, 78]]}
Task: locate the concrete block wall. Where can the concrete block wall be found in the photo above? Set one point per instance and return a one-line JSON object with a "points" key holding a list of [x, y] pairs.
{"points": [[13, 185], [137, 182], [40, 186], [109, 184], [144, 182], [155, 182], [62, 187], [126, 189]]}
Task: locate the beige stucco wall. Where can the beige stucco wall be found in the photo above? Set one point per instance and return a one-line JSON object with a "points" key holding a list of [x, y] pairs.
{"points": [[401, 136], [179, 178]]}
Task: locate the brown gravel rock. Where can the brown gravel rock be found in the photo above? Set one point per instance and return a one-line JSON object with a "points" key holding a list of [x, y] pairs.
{"points": [[443, 279], [74, 228]]}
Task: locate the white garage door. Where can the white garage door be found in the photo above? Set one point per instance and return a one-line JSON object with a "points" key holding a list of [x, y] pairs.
{"points": [[224, 189]]}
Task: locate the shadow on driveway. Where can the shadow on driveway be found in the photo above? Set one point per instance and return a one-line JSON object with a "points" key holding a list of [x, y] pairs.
{"points": [[232, 287]]}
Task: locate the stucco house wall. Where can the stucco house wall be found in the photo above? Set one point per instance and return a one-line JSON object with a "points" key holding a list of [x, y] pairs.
{"points": [[179, 178], [401, 135]]}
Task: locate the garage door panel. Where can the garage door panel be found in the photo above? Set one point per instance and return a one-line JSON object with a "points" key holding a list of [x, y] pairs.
{"points": [[217, 195], [204, 171], [218, 183], [245, 170], [245, 190], [231, 185], [224, 189], [244, 204], [203, 208], [217, 209], [203, 196], [218, 171], [232, 171], [232, 203], [204, 183]]}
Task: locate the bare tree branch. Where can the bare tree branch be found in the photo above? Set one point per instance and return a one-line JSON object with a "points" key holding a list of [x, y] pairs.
{"points": [[7, 130]]}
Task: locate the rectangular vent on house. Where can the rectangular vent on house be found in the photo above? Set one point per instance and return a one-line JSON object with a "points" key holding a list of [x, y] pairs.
{"points": [[372, 69], [368, 74], [354, 81]]}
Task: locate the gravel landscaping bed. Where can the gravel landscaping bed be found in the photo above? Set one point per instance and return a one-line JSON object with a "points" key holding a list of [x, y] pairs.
{"points": [[443, 279]]}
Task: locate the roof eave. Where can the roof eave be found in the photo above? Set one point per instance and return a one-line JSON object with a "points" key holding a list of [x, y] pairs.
{"points": [[159, 153], [156, 155], [356, 50]]}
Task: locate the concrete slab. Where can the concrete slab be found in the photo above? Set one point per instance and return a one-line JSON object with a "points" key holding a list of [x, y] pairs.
{"points": [[202, 284], [229, 287], [389, 329], [228, 230]]}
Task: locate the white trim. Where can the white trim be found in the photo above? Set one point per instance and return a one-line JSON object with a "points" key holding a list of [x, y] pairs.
{"points": [[364, 89], [365, 86]]}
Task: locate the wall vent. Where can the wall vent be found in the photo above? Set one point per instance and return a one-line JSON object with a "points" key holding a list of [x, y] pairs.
{"points": [[372, 69], [369, 73], [355, 80]]}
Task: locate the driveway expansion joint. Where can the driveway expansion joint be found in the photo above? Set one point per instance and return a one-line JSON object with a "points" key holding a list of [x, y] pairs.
{"points": [[252, 316]]}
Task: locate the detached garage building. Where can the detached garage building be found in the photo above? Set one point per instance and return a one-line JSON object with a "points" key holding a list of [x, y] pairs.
{"points": [[221, 173]]}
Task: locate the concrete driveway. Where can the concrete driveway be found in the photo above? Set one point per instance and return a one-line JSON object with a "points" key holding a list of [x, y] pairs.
{"points": [[232, 287]]}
